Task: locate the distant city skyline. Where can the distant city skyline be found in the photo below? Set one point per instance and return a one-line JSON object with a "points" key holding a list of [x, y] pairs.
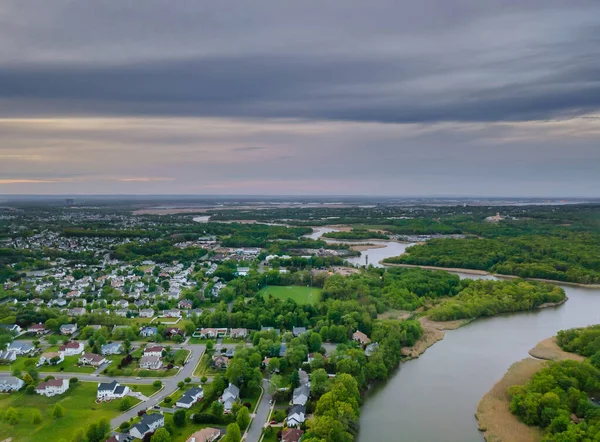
{"points": [[432, 98]]}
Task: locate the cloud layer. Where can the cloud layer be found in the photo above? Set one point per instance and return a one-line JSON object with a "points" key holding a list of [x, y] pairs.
{"points": [[395, 97]]}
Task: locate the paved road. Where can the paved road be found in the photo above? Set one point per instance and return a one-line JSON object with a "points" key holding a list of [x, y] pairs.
{"points": [[262, 414], [169, 384]]}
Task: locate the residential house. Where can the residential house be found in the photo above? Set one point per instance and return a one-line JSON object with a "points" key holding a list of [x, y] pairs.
{"points": [[77, 311], [6, 355], [220, 361], [291, 435], [154, 350], [239, 333], [361, 338], [371, 348], [91, 359], [297, 331], [38, 329], [150, 362], [47, 358], [11, 328], [172, 331], [121, 312], [113, 348], [185, 304], [20, 348], [210, 333], [121, 303], [146, 313], [149, 424], [230, 352], [300, 395], [108, 391], [217, 288], [173, 313], [282, 349], [190, 397], [205, 435], [296, 416], [68, 329], [52, 387], [10, 383], [146, 332], [229, 397], [71, 348], [243, 271]]}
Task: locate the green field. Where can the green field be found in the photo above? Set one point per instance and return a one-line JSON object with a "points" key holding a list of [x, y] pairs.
{"points": [[300, 294], [80, 411]]}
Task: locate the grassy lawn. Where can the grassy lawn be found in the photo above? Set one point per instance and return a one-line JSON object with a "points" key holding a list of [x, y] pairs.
{"points": [[80, 411], [204, 367], [270, 434], [300, 294], [69, 365]]}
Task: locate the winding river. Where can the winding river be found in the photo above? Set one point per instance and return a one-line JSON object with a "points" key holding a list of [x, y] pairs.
{"points": [[434, 398]]}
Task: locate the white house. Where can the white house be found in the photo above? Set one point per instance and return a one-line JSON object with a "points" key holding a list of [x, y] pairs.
{"points": [[52, 387], [155, 350], [150, 362], [20, 348], [301, 395], [6, 355], [114, 348], [190, 397], [91, 359], [68, 329], [173, 313], [296, 416], [230, 395], [46, 358], [149, 424], [71, 348], [238, 333], [108, 391], [10, 383], [146, 313]]}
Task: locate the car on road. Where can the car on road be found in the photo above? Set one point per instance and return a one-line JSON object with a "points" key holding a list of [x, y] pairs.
{"points": [[273, 423], [138, 378]]}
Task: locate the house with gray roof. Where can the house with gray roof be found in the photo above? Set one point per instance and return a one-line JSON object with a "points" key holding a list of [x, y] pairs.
{"points": [[301, 395], [20, 348], [10, 383], [114, 348], [190, 397], [149, 424], [230, 395]]}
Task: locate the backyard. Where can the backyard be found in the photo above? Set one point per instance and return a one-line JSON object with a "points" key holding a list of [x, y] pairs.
{"points": [[80, 411]]}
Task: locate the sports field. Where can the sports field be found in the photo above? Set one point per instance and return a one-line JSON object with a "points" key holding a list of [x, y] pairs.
{"points": [[300, 294]]}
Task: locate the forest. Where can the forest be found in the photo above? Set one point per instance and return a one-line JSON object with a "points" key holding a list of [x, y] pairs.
{"points": [[582, 341], [356, 234], [487, 298], [572, 258], [558, 399]]}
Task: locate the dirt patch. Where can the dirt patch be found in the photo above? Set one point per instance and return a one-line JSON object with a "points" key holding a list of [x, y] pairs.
{"points": [[549, 350], [446, 325], [400, 315], [430, 337], [496, 422], [363, 247], [345, 271]]}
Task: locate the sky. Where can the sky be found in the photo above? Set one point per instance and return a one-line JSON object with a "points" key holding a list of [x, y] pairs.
{"points": [[270, 97]]}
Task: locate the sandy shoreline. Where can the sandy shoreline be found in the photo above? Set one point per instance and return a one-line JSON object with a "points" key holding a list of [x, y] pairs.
{"points": [[363, 247], [496, 422], [484, 273]]}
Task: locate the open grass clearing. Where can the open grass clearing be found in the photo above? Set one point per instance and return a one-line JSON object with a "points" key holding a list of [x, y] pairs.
{"points": [[299, 294], [80, 411]]}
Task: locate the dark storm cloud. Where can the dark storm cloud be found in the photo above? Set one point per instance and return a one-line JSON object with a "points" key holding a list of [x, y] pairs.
{"points": [[389, 62]]}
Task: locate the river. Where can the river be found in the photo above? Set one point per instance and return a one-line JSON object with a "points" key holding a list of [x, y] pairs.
{"points": [[383, 249], [434, 398]]}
